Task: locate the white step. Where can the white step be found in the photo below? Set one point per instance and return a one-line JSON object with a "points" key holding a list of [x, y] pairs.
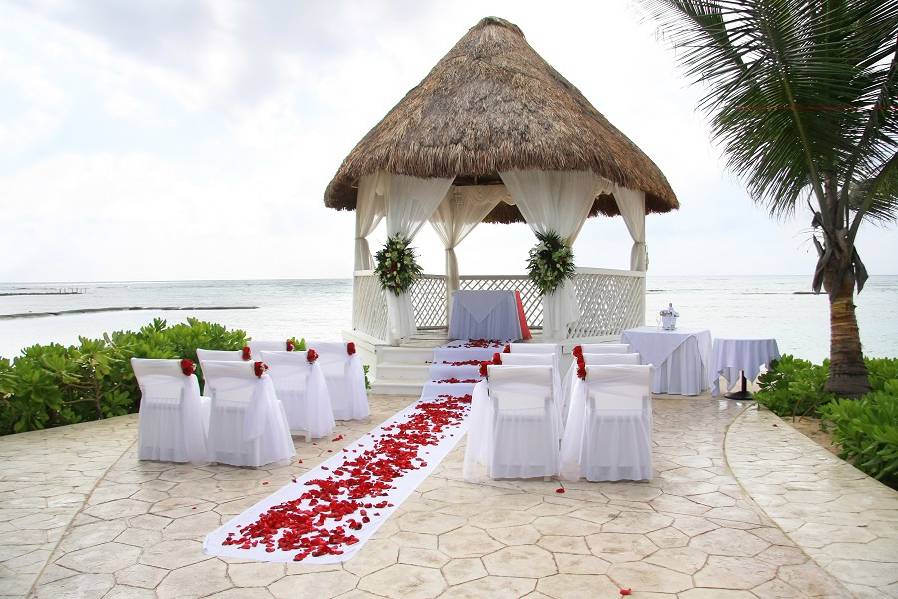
{"points": [[393, 371], [394, 387], [404, 355]]}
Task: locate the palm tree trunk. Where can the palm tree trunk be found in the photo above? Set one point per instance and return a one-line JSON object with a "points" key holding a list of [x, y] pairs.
{"points": [[847, 371]]}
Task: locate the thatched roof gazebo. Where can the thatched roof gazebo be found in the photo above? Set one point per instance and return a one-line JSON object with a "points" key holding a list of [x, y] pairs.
{"points": [[495, 134]]}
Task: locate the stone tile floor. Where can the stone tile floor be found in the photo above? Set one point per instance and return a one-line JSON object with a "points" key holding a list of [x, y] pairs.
{"points": [[692, 532], [846, 521]]}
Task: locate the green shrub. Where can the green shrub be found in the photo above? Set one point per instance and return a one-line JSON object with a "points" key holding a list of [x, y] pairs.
{"points": [[866, 430], [793, 387], [52, 385]]}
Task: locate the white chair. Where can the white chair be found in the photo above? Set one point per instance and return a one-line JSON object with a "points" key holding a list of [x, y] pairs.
{"points": [[217, 355], [345, 378], [257, 347], [605, 348], [514, 425], [597, 359], [534, 348], [174, 417], [247, 426], [608, 434], [301, 387], [542, 359]]}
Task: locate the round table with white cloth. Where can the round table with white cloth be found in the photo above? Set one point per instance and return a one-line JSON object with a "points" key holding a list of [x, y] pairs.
{"points": [[730, 356], [681, 357]]}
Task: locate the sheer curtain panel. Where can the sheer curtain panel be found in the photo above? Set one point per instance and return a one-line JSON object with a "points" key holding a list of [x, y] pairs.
{"points": [[555, 201], [369, 210]]}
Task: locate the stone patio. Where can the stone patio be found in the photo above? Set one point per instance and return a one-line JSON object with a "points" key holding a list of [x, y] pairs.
{"points": [[81, 517]]}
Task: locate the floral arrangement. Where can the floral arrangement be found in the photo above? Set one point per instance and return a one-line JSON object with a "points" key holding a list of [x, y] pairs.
{"points": [[350, 348], [297, 345], [577, 352], [188, 367], [290, 345], [497, 359], [259, 368], [507, 349], [551, 262], [484, 369], [396, 266], [581, 367], [247, 353], [311, 356]]}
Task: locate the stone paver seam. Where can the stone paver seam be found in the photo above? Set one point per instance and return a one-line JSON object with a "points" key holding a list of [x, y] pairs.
{"points": [[68, 525], [762, 510]]}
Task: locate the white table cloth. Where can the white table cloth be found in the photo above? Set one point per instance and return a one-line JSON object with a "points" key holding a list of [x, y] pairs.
{"points": [[730, 356], [484, 315], [681, 357]]}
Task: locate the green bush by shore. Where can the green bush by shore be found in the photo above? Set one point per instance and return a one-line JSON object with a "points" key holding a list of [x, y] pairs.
{"points": [[865, 429], [52, 385]]}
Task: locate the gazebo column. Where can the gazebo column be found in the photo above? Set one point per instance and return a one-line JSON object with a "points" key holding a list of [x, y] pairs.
{"points": [[409, 203], [631, 204]]}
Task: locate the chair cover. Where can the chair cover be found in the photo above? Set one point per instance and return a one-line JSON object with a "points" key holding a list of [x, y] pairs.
{"points": [[217, 355], [257, 347], [514, 427], [302, 390], [345, 378], [597, 359], [608, 434], [519, 359], [605, 348], [174, 419], [535, 348], [248, 426]]}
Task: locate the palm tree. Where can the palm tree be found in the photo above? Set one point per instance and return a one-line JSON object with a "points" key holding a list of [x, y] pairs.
{"points": [[801, 96]]}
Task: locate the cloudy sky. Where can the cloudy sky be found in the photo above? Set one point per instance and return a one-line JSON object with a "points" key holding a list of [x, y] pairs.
{"points": [[177, 139]]}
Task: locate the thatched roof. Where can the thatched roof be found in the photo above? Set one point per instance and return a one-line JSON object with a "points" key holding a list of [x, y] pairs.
{"points": [[493, 104]]}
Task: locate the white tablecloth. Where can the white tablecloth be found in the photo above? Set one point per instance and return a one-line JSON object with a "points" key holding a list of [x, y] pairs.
{"points": [[484, 315], [681, 357], [733, 355]]}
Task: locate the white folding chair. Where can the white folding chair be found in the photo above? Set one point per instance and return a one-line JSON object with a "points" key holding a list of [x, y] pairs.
{"points": [[257, 347], [543, 359], [608, 434], [345, 378], [174, 417], [247, 426], [605, 348], [525, 425], [597, 359], [301, 387]]}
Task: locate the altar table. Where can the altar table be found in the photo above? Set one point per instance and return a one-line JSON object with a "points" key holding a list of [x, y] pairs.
{"points": [[488, 315], [681, 357]]}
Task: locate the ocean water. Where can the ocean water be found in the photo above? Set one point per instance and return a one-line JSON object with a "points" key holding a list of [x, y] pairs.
{"points": [[779, 307]]}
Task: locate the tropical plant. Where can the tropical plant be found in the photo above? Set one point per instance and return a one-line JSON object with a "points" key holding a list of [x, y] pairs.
{"points": [[551, 262], [801, 95], [396, 266]]}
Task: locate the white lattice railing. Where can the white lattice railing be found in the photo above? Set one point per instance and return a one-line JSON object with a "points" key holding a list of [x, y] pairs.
{"points": [[611, 301], [369, 305]]}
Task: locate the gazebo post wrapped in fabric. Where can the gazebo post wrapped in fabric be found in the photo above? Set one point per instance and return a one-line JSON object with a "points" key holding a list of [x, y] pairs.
{"points": [[409, 203]]}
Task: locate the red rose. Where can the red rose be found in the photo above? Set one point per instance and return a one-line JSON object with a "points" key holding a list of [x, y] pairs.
{"points": [[626, 591], [290, 346], [581, 367], [577, 351], [350, 348], [507, 349], [311, 356], [188, 367], [497, 359], [247, 353], [484, 368], [259, 368]]}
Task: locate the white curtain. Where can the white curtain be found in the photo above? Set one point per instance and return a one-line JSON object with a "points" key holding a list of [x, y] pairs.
{"points": [[460, 211], [369, 210], [555, 201], [632, 208], [408, 203]]}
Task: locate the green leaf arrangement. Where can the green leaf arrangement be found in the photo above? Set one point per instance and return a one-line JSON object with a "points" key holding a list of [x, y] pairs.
{"points": [[396, 266], [551, 262]]}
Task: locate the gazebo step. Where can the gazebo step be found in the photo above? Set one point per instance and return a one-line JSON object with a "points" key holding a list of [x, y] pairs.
{"points": [[387, 354], [393, 371], [394, 387]]}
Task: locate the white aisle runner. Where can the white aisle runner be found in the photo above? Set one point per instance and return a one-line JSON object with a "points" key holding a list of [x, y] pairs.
{"points": [[326, 515]]}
